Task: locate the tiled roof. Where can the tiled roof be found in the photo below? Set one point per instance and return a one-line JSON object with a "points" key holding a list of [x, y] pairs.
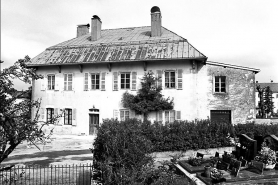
{"points": [[273, 86], [119, 45]]}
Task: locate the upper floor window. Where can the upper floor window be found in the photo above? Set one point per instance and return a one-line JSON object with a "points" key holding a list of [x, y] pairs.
{"points": [[170, 79], [68, 117], [50, 82], [49, 114], [95, 81], [220, 84], [125, 80], [124, 114], [68, 82]]}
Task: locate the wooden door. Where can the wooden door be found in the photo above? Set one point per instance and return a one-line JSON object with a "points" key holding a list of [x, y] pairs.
{"points": [[220, 116], [93, 123]]}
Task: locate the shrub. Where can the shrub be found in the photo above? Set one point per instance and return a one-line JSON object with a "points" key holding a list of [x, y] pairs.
{"points": [[252, 129]]}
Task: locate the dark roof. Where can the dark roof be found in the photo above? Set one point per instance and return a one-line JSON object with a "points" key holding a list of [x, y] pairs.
{"points": [[119, 45], [273, 86]]}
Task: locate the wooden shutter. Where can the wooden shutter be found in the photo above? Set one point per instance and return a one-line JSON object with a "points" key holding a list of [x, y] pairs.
{"points": [[159, 78], [131, 114], [115, 81], [56, 114], [73, 81], [116, 114], [43, 83], [178, 115], [159, 116], [179, 79], [74, 122], [86, 81], [65, 81], [103, 81], [134, 77], [42, 115], [227, 84], [57, 82], [61, 119]]}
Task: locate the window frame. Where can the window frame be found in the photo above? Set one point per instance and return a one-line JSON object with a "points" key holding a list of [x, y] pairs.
{"points": [[125, 116], [68, 116], [66, 82], [51, 83], [172, 85], [49, 114], [95, 81], [220, 84], [125, 80], [171, 115]]}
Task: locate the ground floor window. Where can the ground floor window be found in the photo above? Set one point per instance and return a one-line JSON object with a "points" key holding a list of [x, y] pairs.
{"points": [[49, 114], [169, 116], [124, 114], [68, 117]]}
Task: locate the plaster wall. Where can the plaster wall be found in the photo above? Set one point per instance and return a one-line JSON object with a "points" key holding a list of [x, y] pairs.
{"points": [[240, 98]]}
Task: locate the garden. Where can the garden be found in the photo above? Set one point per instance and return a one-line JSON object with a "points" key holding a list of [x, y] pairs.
{"points": [[123, 150]]}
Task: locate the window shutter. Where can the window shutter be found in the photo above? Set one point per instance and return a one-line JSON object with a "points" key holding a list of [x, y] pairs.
{"points": [[73, 82], [116, 114], [134, 77], [178, 115], [227, 84], [159, 116], [74, 122], [61, 119], [159, 78], [65, 81], [179, 79], [43, 83], [57, 81], [103, 81], [42, 116], [86, 81], [115, 81], [213, 83], [172, 116], [56, 114], [132, 114]]}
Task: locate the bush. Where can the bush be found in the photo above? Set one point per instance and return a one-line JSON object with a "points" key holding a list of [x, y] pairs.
{"points": [[252, 129]]}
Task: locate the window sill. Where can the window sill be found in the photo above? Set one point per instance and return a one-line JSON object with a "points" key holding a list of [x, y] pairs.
{"points": [[220, 93]]}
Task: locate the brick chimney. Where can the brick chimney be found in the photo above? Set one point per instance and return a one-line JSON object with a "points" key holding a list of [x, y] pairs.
{"points": [[155, 22], [82, 29], [95, 28]]}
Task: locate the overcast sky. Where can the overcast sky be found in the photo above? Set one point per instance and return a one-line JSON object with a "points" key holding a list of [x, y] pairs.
{"points": [[239, 32]]}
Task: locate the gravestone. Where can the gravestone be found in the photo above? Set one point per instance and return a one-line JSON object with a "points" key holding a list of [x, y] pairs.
{"points": [[200, 155], [248, 147], [272, 142], [220, 165], [234, 167], [259, 140], [256, 167]]}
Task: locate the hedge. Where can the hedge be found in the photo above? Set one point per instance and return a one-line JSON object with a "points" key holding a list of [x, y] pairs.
{"points": [[252, 129]]}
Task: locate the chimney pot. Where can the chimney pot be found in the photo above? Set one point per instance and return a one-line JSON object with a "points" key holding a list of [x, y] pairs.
{"points": [[155, 22], [82, 29], [95, 28]]}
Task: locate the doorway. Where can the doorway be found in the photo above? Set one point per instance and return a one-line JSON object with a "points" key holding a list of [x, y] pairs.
{"points": [[93, 123]]}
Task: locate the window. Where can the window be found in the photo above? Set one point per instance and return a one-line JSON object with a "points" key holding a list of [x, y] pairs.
{"points": [[170, 79], [50, 82], [95, 81], [220, 84], [68, 117], [49, 114], [124, 115], [170, 116], [68, 82], [277, 95], [125, 80]]}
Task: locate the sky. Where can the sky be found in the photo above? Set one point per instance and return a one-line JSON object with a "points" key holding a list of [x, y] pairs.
{"points": [[239, 32]]}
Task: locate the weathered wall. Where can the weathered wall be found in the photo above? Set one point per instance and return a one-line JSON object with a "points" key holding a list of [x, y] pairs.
{"points": [[240, 98]]}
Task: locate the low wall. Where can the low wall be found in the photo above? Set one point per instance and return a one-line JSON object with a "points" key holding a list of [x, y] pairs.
{"points": [[267, 121], [163, 156]]}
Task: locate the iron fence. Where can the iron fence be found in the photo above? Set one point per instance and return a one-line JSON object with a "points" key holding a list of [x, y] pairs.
{"points": [[51, 175]]}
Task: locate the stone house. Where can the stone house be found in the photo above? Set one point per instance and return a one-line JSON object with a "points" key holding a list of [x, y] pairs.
{"points": [[87, 76], [274, 88]]}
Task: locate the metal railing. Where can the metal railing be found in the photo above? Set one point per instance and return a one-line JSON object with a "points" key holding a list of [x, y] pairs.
{"points": [[51, 175]]}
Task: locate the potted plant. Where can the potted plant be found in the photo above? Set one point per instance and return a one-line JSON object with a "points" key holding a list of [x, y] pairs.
{"points": [[267, 156]]}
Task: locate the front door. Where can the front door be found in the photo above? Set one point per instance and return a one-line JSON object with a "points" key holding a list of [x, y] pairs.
{"points": [[93, 123]]}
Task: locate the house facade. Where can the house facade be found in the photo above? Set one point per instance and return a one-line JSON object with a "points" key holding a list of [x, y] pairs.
{"points": [[87, 76]]}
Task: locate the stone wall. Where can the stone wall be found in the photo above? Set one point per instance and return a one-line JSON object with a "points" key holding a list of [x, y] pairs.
{"points": [[240, 98]]}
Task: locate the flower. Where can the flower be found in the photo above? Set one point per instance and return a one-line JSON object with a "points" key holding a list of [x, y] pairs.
{"points": [[266, 155]]}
